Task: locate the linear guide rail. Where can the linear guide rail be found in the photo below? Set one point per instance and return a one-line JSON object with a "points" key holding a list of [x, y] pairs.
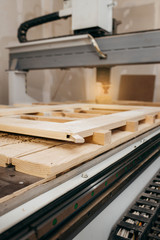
{"points": [[53, 218], [78, 51]]}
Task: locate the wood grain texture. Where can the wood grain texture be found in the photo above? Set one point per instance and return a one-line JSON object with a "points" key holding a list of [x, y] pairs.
{"points": [[15, 146], [42, 156], [53, 161], [67, 131], [48, 119], [102, 137], [131, 126]]}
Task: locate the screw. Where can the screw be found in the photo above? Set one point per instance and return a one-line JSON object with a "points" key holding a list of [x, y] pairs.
{"points": [[21, 183], [84, 175]]}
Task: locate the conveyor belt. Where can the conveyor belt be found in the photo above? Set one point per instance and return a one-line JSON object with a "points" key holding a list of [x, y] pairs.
{"points": [[51, 219]]}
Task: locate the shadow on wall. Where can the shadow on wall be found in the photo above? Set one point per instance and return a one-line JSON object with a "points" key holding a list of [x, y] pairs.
{"points": [[76, 84], [4, 65]]}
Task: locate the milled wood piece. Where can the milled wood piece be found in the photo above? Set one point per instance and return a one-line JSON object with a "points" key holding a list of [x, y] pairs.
{"points": [[102, 137], [135, 103], [41, 108], [83, 128], [23, 146], [55, 160], [76, 138], [75, 114], [150, 119], [131, 126], [48, 119], [96, 111], [158, 115], [4, 106], [34, 109]]}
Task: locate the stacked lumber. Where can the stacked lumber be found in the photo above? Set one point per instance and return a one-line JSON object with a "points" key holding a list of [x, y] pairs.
{"points": [[48, 140]]}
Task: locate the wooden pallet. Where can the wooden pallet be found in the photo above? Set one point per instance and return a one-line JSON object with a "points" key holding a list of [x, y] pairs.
{"points": [[101, 127]]}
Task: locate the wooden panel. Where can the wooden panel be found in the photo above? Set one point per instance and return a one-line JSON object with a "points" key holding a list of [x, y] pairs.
{"points": [[20, 146], [33, 109], [137, 87], [136, 103], [53, 161], [75, 114], [48, 119]]}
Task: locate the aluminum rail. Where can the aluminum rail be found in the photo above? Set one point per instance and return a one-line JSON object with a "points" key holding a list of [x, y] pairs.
{"points": [[78, 51]]}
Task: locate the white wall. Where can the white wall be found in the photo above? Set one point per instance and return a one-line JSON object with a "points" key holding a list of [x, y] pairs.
{"points": [[137, 15], [76, 84], [12, 13], [45, 85]]}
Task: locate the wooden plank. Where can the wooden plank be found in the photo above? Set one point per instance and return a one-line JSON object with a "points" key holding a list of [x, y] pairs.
{"points": [[75, 114], [5, 140], [131, 126], [66, 131], [45, 108], [96, 111], [34, 128], [4, 106], [76, 138], [110, 107], [150, 119], [86, 127], [22, 146], [53, 161], [48, 119], [102, 137], [136, 103], [34, 109]]}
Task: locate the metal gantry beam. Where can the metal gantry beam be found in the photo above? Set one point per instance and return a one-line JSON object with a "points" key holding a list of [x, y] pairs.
{"points": [[77, 51]]}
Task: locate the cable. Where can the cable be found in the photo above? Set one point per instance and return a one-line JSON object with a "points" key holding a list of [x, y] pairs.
{"points": [[98, 50]]}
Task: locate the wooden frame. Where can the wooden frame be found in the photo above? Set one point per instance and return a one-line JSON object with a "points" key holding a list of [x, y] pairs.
{"points": [[75, 122], [46, 157]]}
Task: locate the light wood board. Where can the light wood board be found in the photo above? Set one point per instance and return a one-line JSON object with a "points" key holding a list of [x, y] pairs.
{"points": [[76, 130], [49, 157]]}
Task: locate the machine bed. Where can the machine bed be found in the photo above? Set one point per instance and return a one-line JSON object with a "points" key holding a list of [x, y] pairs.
{"points": [[54, 186]]}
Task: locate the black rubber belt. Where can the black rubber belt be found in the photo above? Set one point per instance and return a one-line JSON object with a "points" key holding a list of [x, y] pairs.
{"points": [[24, 27]]}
